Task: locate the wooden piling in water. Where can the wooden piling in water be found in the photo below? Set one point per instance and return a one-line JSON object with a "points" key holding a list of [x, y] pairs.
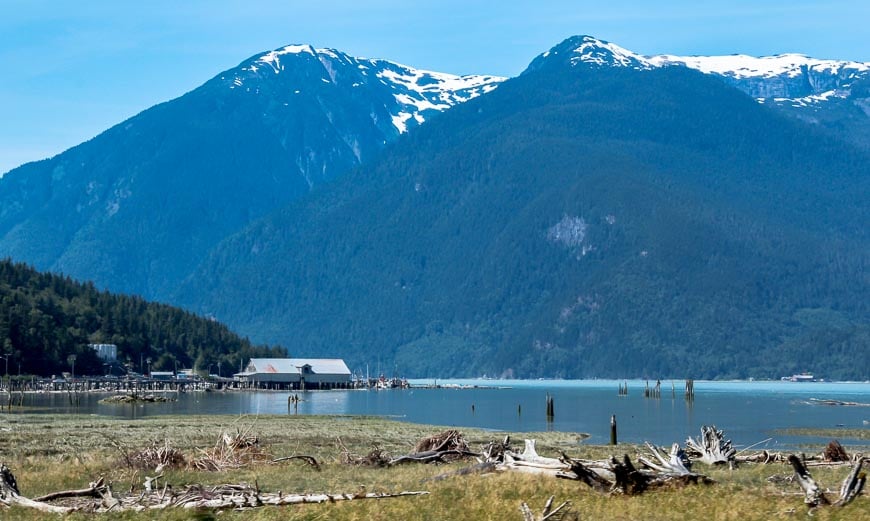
{"points": [[613, 429], [623, 389], [550, 410]]}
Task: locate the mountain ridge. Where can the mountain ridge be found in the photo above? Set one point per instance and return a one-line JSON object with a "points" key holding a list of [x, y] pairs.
{"points": [[571, 214], [625, 223], [186, 173]]}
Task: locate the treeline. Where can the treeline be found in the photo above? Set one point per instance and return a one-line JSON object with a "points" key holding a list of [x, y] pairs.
{"points": [[45, 318]]}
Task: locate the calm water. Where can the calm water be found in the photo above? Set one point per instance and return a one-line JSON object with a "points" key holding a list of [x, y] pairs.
{"points": [[748, 411]]}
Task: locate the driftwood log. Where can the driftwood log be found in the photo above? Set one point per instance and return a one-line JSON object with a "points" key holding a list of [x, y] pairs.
{"points": [[676, 464], [763, 457], [444, 447], [814, 495], [530, 461], [835, 452], [548, 512], [9, 495], [99, 497], [431, 456], [711, 448], [607, 476], [310, 460]]}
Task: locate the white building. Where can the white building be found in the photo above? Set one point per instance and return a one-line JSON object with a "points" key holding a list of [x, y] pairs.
{"points": [[105, 352], [296, 373]]}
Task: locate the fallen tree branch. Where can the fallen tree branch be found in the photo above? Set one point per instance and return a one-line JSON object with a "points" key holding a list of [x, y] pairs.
{"points": [[93, 490], [307, 459], [100, 498], [431, 456], [548, 512]]}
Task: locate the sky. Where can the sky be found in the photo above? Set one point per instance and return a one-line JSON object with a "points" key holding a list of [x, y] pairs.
{"points": [[71, 69]]}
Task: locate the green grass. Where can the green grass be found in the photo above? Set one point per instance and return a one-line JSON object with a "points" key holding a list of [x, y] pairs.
{"points": [[839, 434], [50, 453]]}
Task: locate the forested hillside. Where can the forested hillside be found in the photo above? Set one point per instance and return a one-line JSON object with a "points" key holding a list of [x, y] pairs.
{"points": [[576, 222], [136, 208], [45, 318]]}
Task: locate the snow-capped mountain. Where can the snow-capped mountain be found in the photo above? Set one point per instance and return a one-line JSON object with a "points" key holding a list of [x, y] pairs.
{"points": [[416, 94], [186, 173], [799, 84]]}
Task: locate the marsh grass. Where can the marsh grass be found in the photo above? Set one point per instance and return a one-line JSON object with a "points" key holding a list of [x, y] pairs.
{"points": [[840, 434], [50, 453]]}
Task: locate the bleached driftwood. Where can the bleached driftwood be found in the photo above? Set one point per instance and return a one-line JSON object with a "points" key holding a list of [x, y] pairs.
{"points": [[853, 484], [711, 448], [607, 476], [624, 478], [10, 496], [763, 457], [548, 512], [677, 463], [814, 496], [98, 497], [494, 451], [531, 462]]}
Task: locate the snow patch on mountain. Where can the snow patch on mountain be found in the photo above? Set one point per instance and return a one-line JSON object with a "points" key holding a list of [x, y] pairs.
{"points": [[600, 52], [419, 92], [794, 79], [744, 66], [416, 93]]}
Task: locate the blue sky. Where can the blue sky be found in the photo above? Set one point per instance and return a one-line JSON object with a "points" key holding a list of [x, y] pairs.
{"points": [[72, 69]]}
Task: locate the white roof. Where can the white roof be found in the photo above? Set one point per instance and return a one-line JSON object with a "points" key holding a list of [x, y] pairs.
{"points": [[294, 365]]}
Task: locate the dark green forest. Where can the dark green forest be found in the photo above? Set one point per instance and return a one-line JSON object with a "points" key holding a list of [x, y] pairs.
{"points": [[44, 318], [573, 223]]}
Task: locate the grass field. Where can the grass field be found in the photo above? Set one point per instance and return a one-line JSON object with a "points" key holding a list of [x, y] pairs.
{"points": [[51, 453]]}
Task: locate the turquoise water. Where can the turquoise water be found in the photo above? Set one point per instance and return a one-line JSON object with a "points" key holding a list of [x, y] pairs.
{"points": [[749, 412]]}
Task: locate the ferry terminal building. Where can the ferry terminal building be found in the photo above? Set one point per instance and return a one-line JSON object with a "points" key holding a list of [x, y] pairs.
{"points": [[296, 373]]}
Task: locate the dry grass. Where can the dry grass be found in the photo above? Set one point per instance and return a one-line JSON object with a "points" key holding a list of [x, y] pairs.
{"points": [[61, 452]]}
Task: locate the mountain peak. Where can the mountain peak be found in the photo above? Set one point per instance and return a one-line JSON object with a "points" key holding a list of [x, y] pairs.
{"points": [[792, 79], [589, 51], [301, 68]]}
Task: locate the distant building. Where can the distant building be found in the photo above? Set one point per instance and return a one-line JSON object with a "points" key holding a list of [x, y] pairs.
{"points": [[105, 352], [162, 375], [296, 373], [186, 374]]}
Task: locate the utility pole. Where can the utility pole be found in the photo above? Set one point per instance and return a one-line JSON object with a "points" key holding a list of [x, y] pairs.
{"points": [[6, 357]]}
